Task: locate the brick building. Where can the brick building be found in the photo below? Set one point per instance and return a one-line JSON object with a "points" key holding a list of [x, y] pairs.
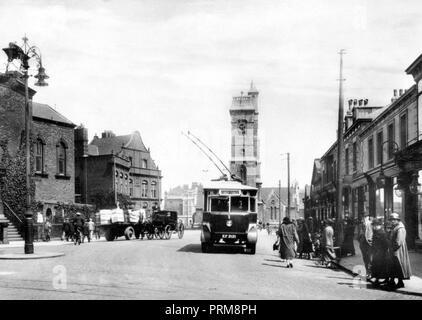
{"points": [[52, 157], [113, 165], [382, 161]]}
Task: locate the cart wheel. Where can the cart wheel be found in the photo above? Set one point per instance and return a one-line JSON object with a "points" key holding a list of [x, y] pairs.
{"points": [[109, 234], [129, 233], [167, 232], [181, 231], [161, 234]]}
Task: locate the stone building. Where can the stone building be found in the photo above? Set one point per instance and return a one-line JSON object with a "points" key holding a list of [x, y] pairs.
{"points": [[383, 166], [188, 201], [245, 144], [116, 165], [271, 204], [52, 154]]}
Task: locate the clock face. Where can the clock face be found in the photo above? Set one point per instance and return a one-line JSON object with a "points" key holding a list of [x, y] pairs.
{"points": [[242, 126]]}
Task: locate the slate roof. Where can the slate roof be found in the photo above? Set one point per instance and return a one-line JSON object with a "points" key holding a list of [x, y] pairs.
{"points": [[114, 144], [44, 111]]}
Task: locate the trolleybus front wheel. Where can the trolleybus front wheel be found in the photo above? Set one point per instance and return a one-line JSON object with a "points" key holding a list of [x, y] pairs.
{"points": [[251, 247]]}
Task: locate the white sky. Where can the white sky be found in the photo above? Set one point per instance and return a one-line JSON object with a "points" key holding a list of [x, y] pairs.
{"points": [[161, 67]]}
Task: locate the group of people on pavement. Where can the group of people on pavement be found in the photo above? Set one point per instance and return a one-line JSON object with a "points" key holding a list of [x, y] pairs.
{"points": [[382, 243], [78, 228], [384, 251]]}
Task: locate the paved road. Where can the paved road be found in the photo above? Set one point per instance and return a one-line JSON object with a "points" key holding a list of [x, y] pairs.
{"points": [[175, 269]]}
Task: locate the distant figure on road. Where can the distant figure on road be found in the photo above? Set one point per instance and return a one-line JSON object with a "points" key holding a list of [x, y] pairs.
{"points": [[47, 227], [365, 243], [91, 228], [400, 266], [287, 238], [66, 230], [78, 224]]}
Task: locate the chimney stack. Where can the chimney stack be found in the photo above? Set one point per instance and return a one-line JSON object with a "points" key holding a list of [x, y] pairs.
{"points": [[395, 93], [400, 92]]}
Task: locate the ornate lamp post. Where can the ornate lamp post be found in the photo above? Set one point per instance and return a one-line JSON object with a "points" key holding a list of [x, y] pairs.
{"points": [[24, 54]]}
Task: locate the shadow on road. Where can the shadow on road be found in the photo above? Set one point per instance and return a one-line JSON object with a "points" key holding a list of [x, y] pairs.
{"points": [[274, 265], [196, 248]]}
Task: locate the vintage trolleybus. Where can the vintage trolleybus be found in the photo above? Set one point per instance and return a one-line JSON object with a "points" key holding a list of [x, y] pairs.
{"points": [[230, 215]]}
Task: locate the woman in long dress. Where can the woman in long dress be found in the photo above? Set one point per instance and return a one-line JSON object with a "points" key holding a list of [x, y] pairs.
{"points": [[287, 238], [400, 262]]}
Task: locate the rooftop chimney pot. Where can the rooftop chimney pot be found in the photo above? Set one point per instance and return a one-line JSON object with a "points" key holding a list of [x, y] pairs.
{"points": [[400, 92], [365, 102], [395, 92], [360, 102]]}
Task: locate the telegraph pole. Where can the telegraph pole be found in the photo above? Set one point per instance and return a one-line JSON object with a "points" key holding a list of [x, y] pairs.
{"points": [[340, 147], [279, 203], [288, 185]]}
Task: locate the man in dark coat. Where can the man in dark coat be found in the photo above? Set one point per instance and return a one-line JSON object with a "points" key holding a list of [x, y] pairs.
{"points": [[287, 238], [400, 262], [78, 224], [349, 234], [66, 230], [380, 253]]}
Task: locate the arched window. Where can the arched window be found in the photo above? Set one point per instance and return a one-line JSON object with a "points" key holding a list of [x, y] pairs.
{"points": [[61, 159], [39, 156], [153, 189], [144, 190]]}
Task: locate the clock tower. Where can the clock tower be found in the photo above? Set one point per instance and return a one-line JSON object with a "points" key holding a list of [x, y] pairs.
{"points": [[245, 144]]}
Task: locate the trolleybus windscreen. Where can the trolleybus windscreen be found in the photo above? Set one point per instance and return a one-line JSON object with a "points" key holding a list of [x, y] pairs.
{"points": [[220, 204], [239, 204]]}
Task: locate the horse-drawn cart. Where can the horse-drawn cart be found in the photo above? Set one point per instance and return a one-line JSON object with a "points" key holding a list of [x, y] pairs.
{"points": [[162, 225]]}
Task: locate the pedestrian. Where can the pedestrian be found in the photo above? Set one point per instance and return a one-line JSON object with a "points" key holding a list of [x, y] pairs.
{"points": [[328, 254], [66, 230], [287, 238], [349, 235], [400, 262], [78, 224], [380, 253], [305, 242], [91, 228], [365, 243], [47, 227], [86, 232]]}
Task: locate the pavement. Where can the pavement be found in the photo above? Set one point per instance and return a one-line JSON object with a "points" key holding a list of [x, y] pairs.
{"points": [[176, 269], [14, 250], [354, 264]]}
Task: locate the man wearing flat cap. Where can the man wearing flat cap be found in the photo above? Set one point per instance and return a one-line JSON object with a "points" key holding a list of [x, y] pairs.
{"points": [[400, 268]]}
